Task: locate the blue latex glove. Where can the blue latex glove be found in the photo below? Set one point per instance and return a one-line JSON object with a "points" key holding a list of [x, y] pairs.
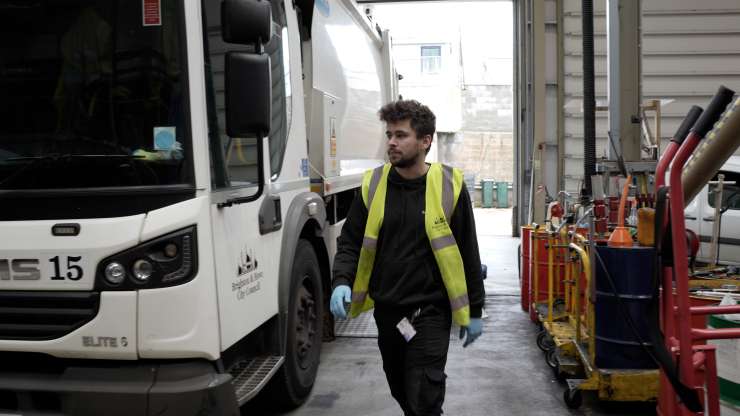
{"points": [[339, 296], [474, 329]]}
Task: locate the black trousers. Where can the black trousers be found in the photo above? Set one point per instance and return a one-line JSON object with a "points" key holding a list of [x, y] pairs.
{"points": [[415, 369]]}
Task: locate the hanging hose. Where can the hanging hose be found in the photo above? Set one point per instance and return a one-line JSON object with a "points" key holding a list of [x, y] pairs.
{"points": [[714, 151], [589, 97]]}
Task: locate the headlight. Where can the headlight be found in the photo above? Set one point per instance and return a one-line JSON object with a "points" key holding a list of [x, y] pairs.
{"points": [[143, 270], [164, 261], [115, 273]]}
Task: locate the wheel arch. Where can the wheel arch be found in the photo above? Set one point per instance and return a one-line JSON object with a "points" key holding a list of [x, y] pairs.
{"points": [[301, 223]]}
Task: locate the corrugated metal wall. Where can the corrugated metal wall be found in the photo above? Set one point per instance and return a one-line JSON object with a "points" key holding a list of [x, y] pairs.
{"points": [[689, 48], [550, 155]]}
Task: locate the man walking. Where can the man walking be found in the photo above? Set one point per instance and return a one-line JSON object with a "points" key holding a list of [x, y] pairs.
{"points": [[409, 249]]}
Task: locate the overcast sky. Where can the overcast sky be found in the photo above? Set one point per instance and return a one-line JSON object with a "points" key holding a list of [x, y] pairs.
{"points": [[491, 20], [486, 29]]}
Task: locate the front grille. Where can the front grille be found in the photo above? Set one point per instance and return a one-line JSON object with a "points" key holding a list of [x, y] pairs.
{"points": [[45, 315]]}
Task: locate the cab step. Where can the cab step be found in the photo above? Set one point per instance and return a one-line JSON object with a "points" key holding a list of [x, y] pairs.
{"points": [[250, 376]]}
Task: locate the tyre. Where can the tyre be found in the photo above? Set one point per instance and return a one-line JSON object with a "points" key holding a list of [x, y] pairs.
{"points": [[573, 398], [551, 358], [293, 382]]}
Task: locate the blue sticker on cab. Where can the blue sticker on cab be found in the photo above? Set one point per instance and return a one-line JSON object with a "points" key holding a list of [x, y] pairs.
{"points": [[323, 6], [164, 138]]}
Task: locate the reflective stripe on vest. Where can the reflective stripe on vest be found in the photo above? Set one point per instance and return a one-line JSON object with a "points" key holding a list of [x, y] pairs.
{"points": [[443, 188], [374, 185]]}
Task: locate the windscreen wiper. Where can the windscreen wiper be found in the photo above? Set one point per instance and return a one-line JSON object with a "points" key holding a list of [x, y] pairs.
{"points": [[34, 161], [101, 156], [56, 157]]}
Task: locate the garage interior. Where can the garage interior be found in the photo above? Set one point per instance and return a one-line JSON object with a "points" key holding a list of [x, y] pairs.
{"points": [[177, 178], [600, 88]]}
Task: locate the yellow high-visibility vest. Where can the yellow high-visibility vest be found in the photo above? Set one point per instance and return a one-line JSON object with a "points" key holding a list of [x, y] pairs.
{"points": [[443, 188]]}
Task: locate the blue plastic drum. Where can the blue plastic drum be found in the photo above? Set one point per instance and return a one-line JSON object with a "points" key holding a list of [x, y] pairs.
{"points": [[631, 269]]}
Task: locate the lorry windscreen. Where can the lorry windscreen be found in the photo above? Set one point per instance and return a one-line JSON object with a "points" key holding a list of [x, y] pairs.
{"points": [[93, 94]]}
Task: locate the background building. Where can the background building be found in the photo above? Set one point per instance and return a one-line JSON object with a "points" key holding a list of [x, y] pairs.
{"points": [[461, 66]]}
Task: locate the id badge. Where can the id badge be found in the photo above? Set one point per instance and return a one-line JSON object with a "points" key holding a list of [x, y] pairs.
{"points": [[406, 329]]}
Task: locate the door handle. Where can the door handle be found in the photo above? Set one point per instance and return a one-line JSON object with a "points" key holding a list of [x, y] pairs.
{"points": [[708, 219], [689, 217], [270, 215], [277, 218]]}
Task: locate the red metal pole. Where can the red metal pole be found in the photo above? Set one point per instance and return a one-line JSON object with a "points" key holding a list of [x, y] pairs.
{"points": [[680, 262], [667, 403], [715, 310], [711, 377], [724, 333], [670, 151], [678, 229], [663, 164]]}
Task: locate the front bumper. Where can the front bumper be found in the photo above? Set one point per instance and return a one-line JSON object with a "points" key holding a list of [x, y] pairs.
{"points": [[85, 388]]}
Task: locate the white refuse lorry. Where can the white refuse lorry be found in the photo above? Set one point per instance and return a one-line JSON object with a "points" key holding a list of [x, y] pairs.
{"points": [[173, 178]]}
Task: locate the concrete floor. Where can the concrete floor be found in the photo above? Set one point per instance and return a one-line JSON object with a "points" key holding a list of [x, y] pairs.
{"points": [[502, 373]]}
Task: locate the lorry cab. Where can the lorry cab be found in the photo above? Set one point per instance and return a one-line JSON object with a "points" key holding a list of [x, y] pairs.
{"points": [[173, 177], [701, 216]]}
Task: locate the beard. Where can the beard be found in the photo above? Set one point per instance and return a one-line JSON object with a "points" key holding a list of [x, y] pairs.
{"points": [[402, 161]]}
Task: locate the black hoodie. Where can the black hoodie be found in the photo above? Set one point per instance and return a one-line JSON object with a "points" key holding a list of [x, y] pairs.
{"points": [[405, 273]]}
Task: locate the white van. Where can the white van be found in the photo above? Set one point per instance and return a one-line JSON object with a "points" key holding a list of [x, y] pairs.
{"points": [[700, 215]]}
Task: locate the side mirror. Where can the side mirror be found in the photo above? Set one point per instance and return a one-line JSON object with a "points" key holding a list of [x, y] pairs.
{"points": [[248, 94], [246, 21]]}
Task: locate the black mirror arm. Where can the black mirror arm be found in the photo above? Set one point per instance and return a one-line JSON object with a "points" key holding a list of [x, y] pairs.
{"points": [[260, 184]]}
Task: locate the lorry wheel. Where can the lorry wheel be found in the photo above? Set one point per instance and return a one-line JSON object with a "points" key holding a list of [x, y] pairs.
{"points": [[294, 381]]}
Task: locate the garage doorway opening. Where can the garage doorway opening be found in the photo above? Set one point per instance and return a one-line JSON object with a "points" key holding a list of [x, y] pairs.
{"points": [[458, 58]]}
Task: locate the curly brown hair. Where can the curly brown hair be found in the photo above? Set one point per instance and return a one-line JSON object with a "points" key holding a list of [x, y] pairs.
{"points": [[421, 118]]}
